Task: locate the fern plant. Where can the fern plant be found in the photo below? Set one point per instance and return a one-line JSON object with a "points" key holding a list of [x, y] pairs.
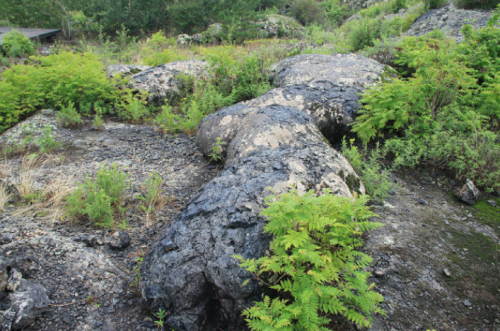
{"points": [[314, 268]]}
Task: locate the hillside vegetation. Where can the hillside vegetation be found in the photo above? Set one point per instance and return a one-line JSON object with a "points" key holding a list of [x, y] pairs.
{"points": [[438, 107]]}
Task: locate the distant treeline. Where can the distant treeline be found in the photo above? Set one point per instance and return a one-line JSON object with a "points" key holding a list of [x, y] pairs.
{"points": [[137, 16]]}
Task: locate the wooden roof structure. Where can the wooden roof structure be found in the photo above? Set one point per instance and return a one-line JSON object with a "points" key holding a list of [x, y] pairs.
{"points": [[30, 33]]}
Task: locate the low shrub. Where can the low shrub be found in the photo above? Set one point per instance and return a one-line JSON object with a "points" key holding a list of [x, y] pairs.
{"points": [[47, 141], [314, 268], [55, 81], [16, 44], [434, 4], [99, 199], [165, 56]]}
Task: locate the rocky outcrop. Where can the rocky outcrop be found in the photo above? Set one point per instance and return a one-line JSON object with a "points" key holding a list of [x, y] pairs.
{"points": [[274, 25], [269, 144], [28, 302], [161, 82], [449, 19]]}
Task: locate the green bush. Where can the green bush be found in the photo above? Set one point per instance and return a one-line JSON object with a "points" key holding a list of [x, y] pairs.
{"points": [[99, 199], [444, 109], [68, 116], [314, 268], [56, 81], [16, 44]]}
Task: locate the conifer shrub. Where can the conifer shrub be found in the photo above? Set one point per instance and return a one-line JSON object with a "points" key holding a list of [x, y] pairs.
{"points": [[443, 109], [314, 270]]}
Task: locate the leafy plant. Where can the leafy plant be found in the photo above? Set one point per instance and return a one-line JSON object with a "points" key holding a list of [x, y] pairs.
{"points": [[98, 122], [314, 268], [443, 109], [216, 151], [68, 116], [153, 191], [47, 141], [370, 168], [16, 44], [134, 109], [99, 199], [160, 315]]}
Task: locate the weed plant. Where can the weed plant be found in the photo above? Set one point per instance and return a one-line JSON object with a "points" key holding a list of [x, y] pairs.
{"points": [[69, 116], [47, 141], [314, 270], [368, 165], [99, 199]]}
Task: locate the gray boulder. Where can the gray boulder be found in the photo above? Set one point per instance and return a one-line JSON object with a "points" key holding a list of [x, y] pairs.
{"points": [[339, 69], [269, 144], [161, 82], [183, 40], [274, 25], [468, 193], [189, 271], [27, 303], [449, 19]]}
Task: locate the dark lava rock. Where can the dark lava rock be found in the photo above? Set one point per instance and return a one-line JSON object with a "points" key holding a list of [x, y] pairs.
{"points": [[121, 240], [27, 303], [270, 144], [468, 193]]}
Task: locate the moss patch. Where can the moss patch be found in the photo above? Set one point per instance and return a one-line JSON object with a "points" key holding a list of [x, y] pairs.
{"points": [[487, 214]]}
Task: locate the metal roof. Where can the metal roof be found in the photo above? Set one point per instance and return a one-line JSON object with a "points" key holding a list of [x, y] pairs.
{"points": [[30, 33]]}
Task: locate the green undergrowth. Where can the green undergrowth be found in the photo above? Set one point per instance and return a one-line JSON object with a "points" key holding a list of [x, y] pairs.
{"points": [[58, 80], [99, 199], [314, 270], [368, 165], [441, 108]]}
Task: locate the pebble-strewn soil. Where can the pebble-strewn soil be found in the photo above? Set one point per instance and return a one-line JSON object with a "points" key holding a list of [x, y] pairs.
{"points": [[90, 284]]}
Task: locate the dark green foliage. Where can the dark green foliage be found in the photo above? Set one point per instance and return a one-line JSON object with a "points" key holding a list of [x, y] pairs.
{"points": [[476, 4], [307, 11], [444, 109], [314, 267], [434, 4], [16, 44]]}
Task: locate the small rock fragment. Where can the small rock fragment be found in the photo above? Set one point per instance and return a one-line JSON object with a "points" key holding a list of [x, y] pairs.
{"points": [[492, 203], [467, 304], [468, 193], [122, 240], [15, 277], [446, 272]]}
